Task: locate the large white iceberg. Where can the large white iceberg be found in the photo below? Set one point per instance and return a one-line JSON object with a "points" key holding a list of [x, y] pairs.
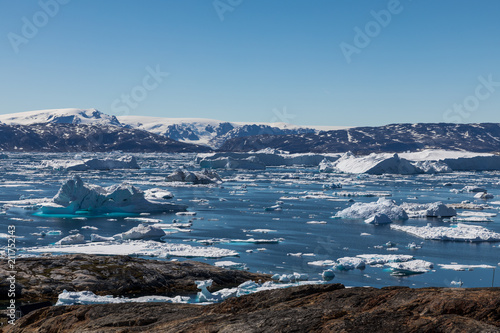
{"points": [[376, 164], [459, 232], [125, 162], [367, 210], [75, 195]]}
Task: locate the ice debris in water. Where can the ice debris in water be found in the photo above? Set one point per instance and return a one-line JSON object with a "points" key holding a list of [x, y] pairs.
{"points": [[74, 195], [366, 210], [459, 232]]}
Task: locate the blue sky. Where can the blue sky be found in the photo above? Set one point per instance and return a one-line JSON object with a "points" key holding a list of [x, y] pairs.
{"points": [[255, 60]]}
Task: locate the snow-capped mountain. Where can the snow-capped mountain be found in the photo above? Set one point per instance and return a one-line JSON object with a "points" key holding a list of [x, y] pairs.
{"points": [[60, 116], [484, 137], [208, 132]]}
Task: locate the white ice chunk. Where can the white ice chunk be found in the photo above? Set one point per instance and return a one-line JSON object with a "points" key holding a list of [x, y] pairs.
{"points": [[366, 210], [71, 239], [142, 231]]}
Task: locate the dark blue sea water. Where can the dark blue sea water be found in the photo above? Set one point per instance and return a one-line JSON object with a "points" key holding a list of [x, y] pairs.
{"points": [[238, 204]]}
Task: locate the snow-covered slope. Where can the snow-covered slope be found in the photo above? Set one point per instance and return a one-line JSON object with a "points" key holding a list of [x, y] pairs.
{"points": [[60, 116], [212, 132]]}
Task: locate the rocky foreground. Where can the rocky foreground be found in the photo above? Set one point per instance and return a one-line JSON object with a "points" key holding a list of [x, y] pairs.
{"points": [[318, 308], [44, 278]]}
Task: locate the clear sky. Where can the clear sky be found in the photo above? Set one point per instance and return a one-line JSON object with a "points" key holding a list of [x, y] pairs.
{"points": [[323, 62]]}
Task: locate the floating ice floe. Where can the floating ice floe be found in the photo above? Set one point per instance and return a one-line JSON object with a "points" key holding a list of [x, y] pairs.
{"points": [[262, 231], [410, 267], [139, 248], [125, 162], [76, 196], [143, 219], [473, 219], [328, 275], [380, 259], [99, 238], [473, 189], [459, 232], [458, 267], [231, 265], [88, 297], [249, 163], [363, 194], [142, 231], [195, 177], [71, 239], [366, 210], [157, 194], [435, 209], [316, 222]]}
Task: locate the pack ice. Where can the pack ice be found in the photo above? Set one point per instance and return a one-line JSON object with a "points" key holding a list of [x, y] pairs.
{"points": [[458, 232], [74, 195]]}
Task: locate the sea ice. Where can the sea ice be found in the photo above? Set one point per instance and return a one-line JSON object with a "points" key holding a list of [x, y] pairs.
{"points": [[459, 232], [231, 265], [139, 248], [458, 267], [74, 195], [416, 266]]}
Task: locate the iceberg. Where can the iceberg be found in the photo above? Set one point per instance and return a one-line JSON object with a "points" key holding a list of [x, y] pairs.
{"points": [[459, 232], [195, 177], [367, 210], [249, 163], [435, 209], [431, 167], [71, 239], [142, 231], [157, 194], [378, 218], [375, 164], [484, 196], [76, 196], [125, 162], [231, 265]]}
